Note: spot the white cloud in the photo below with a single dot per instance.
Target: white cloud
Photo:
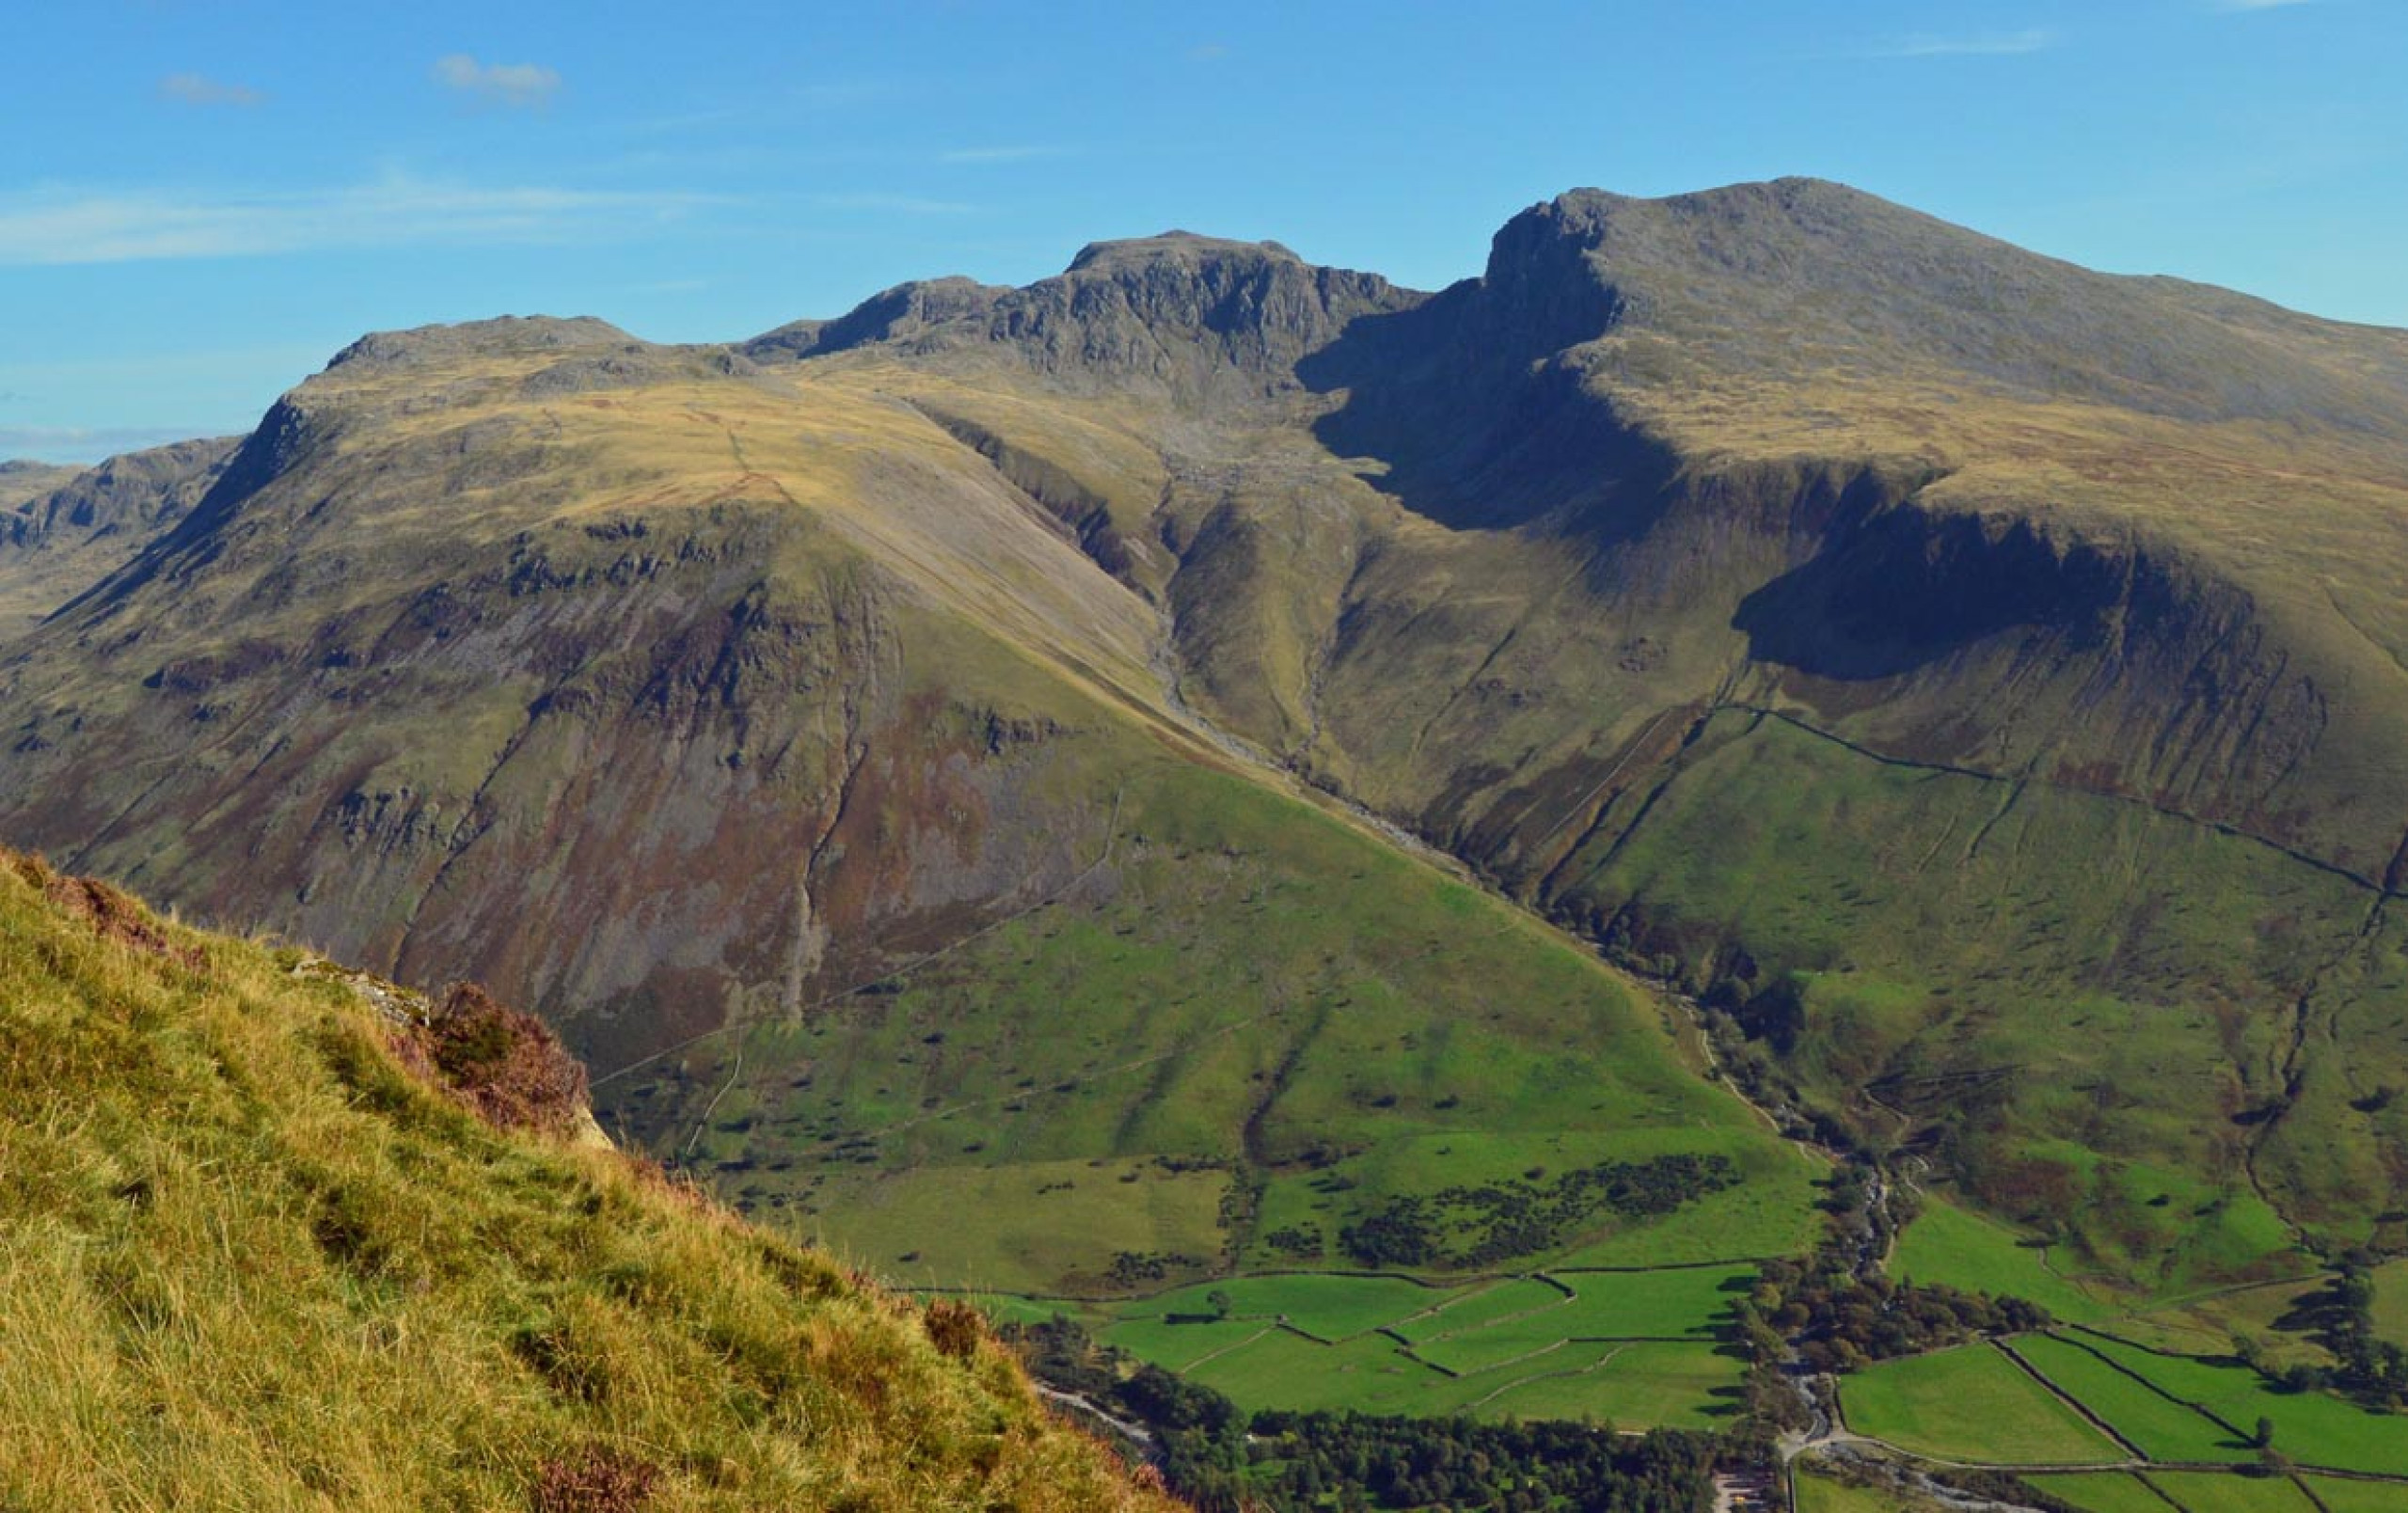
(2261, 4)
(78, 444)
(504, 84)
(1979, 44)
(200, 89)
(57, 226)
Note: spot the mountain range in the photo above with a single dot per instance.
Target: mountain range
(1194, 726)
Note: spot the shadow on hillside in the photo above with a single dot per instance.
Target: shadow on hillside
(1476, 420)
(1903, 589)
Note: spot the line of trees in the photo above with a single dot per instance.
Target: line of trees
(1225, 1460)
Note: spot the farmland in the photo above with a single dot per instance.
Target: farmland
(2103, 1492)
(1971, 1404)
(1638, 1349)
(2160, 1428)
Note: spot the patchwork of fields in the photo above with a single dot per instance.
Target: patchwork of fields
(2185, 1427)
(1637, 1349)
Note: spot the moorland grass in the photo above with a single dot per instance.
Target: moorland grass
(248, 1261)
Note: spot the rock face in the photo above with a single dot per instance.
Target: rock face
(59, 539)
(1972, 671)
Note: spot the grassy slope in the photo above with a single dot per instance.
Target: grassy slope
(1210, 1015)
(246, 1261)
(1971, 1404)
(2313, 1428)
(1640, 1348)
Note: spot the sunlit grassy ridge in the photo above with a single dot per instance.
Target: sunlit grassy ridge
(248, 1261)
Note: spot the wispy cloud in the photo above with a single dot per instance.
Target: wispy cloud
(1975, 45)
(1208, 52)
(76, 444)
(997, 154)
(200, 89)
(58, 227)
(2260, 4)
(893, 204)
(521, 85)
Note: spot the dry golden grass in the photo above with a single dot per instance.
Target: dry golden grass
(247, 1262)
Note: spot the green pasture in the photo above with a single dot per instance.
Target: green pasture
(1970, 1404)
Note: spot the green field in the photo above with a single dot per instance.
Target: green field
(1951, 1246)
(2207, 1491)
(2391, 1302)
(2103, 1492)
(1039, 1223)
(2206, 1324)
(1179, 1347)
(1641, 1385)
(2312, 1428)
(1971, 1404)
(1638, 1347)
(2340, 1496)
(1326, 1307)
(1479, 1308)
(1821, 1494)
(1606, 1306)
(2163, 1429)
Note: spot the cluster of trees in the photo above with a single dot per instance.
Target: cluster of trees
(1841, 1320)
(2341, 1315)
(1377, 1462)
(1224, 1460)
(1466, 1228)
(1133, 1269)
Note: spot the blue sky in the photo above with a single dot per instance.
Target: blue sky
(201, 199)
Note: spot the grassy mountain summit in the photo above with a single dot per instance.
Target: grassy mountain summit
(249, 1258)
(918, 754)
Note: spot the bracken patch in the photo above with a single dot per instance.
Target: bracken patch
(594, 1480)
(506, 1066)
(114, 916)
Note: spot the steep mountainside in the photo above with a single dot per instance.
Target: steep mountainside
(248, 1258)
(1980, 676)
(66, 529)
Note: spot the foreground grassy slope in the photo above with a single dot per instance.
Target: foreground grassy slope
(248, 1261)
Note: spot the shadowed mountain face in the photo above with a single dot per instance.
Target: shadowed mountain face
(1983, 672)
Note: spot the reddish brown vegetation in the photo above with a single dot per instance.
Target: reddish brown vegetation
(594, 1480)
(113, 916)
(954, 1328)
(506, 1066)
